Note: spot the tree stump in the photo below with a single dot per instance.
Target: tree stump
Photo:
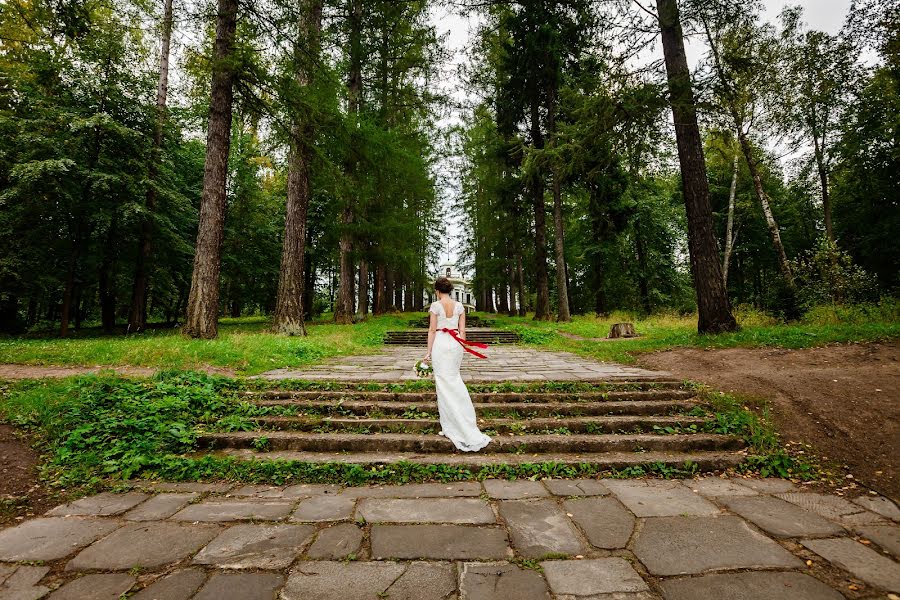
(622, 330)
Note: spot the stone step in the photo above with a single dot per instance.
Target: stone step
(479, 397)
(407, 442)
(420, 336)
(705, 461)
(574, 425)
(530, 409)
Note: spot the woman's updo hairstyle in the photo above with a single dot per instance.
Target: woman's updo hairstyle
(443, 285)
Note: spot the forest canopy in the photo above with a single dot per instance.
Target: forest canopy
(167, 162)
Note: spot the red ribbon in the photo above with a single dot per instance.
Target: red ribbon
(465, 343)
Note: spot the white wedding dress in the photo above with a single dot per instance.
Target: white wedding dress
(454, 404)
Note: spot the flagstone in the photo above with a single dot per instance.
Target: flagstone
(222, 510)
(439, 542)
(189, 486)
(51, 538)
(886, 536)
(429, 510)
(21, 583)
(781, 518)
(101, 505)
(324, 508)
(713, 487)
(880, 505)
(576, 487)
(768, 486)
(146, 545)
(570, 579)
(417, 490)
(862, 562)
(328, 580)
(501, 581)
(241, 586)
(605, 522)
(539, 527)
(252, 546)
(660, 499)
(749, 586)
(687, 545)
(832, 507)
(105, 586)
(337, 541)
(180, 585)
(501, 489)
(161, 506)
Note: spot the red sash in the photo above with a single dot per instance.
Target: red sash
(465, 343)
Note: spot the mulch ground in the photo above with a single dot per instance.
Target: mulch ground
(844, 400)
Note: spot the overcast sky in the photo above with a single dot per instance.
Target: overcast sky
(825, 15)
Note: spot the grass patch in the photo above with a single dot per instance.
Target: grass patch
(821, 325)
(245, 345)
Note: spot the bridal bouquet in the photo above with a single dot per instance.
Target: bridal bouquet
(423, 369)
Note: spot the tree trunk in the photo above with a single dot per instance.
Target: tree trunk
(520, 279)
(107, 279)
(559, 236)
(783, 264)
(378, 286)
(203, 303)
(826, 196)
(407, 296)
(712, 301)
(137, 314)
(562, 285)
(503, 294)
(643, 279)
(542, 306)
(69, 290)
(363, 289)
(309, 285)
(729, 227)
(343, 312)
(289, 301)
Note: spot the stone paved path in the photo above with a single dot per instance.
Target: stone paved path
(704, 539)
(503, 363)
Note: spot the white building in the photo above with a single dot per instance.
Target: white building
(462, 287)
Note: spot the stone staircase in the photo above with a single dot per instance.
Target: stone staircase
(613, 425)
(471, 321)
(419, 337)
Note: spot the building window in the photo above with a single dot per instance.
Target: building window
(448, 271)
(468, 298)
(457, 294)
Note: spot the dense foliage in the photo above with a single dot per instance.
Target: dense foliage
(569, 190)
(564, 114)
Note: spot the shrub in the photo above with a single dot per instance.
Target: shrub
(826, 274)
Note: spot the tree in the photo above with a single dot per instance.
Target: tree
(712, 301)
(743, 58)
(137, 314)
(203, 302)
(817, 75)
(289, 302)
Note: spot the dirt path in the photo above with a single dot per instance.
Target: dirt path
(21, 493)
(844, 400)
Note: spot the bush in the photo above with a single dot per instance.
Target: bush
(826, 274)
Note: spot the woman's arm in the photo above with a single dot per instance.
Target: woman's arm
(462, 325)
(432, 331)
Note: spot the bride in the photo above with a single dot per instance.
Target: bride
(446, 344)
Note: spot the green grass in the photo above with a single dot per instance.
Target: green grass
(247, 347)
(244, 345)
(821, 326)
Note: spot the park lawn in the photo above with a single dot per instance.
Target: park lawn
(247, 347)
(244, 345)
(820, 326)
